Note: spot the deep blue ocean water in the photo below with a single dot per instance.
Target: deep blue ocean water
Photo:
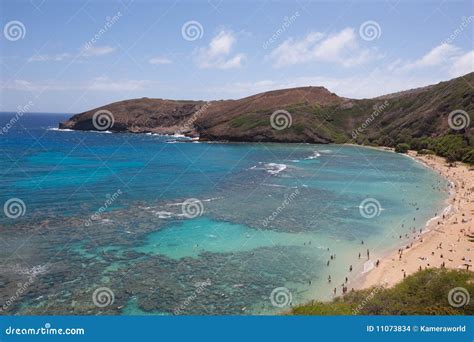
(106, 210)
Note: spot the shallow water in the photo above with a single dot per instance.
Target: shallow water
(106, 210)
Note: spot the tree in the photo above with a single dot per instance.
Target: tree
(451, 158)
(402, 148)
(469, 157)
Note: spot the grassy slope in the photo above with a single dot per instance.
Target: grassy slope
(421, 120)
(424, 293)
(418, 118)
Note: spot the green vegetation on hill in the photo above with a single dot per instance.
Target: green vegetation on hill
(416, 120)
(451, 146)
(419, 119)
(424, 293)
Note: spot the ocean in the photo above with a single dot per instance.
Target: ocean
(136, 224)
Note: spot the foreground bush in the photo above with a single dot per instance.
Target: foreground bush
(424, 293)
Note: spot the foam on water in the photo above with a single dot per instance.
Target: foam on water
(315, 155)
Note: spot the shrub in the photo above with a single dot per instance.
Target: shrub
(469, 157)
(402, 148)
(425, 151)
(423, 293)
(453, 146)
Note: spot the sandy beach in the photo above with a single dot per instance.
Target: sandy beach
(445, 242)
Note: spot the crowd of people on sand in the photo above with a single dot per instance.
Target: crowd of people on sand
(463, 195)
(415, 236)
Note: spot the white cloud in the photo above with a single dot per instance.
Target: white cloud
(234, 62)
(341, 48)
(217, 53)
(221, 44)
(91, 51)
(85, 52)
(438, 55)
(46, 58)
(103, 84)
(463, 64)
(293, 51)
(334, 46)
(445, 58)
(159, 60)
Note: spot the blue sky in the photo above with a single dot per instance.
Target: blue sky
(71, 56)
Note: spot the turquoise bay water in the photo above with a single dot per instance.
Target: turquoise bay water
(106, 210)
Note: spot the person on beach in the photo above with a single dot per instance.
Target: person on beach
(368, 254)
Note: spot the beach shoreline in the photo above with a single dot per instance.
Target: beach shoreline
(444, 240)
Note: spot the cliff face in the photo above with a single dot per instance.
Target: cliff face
(307, 114)
(138, 115)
